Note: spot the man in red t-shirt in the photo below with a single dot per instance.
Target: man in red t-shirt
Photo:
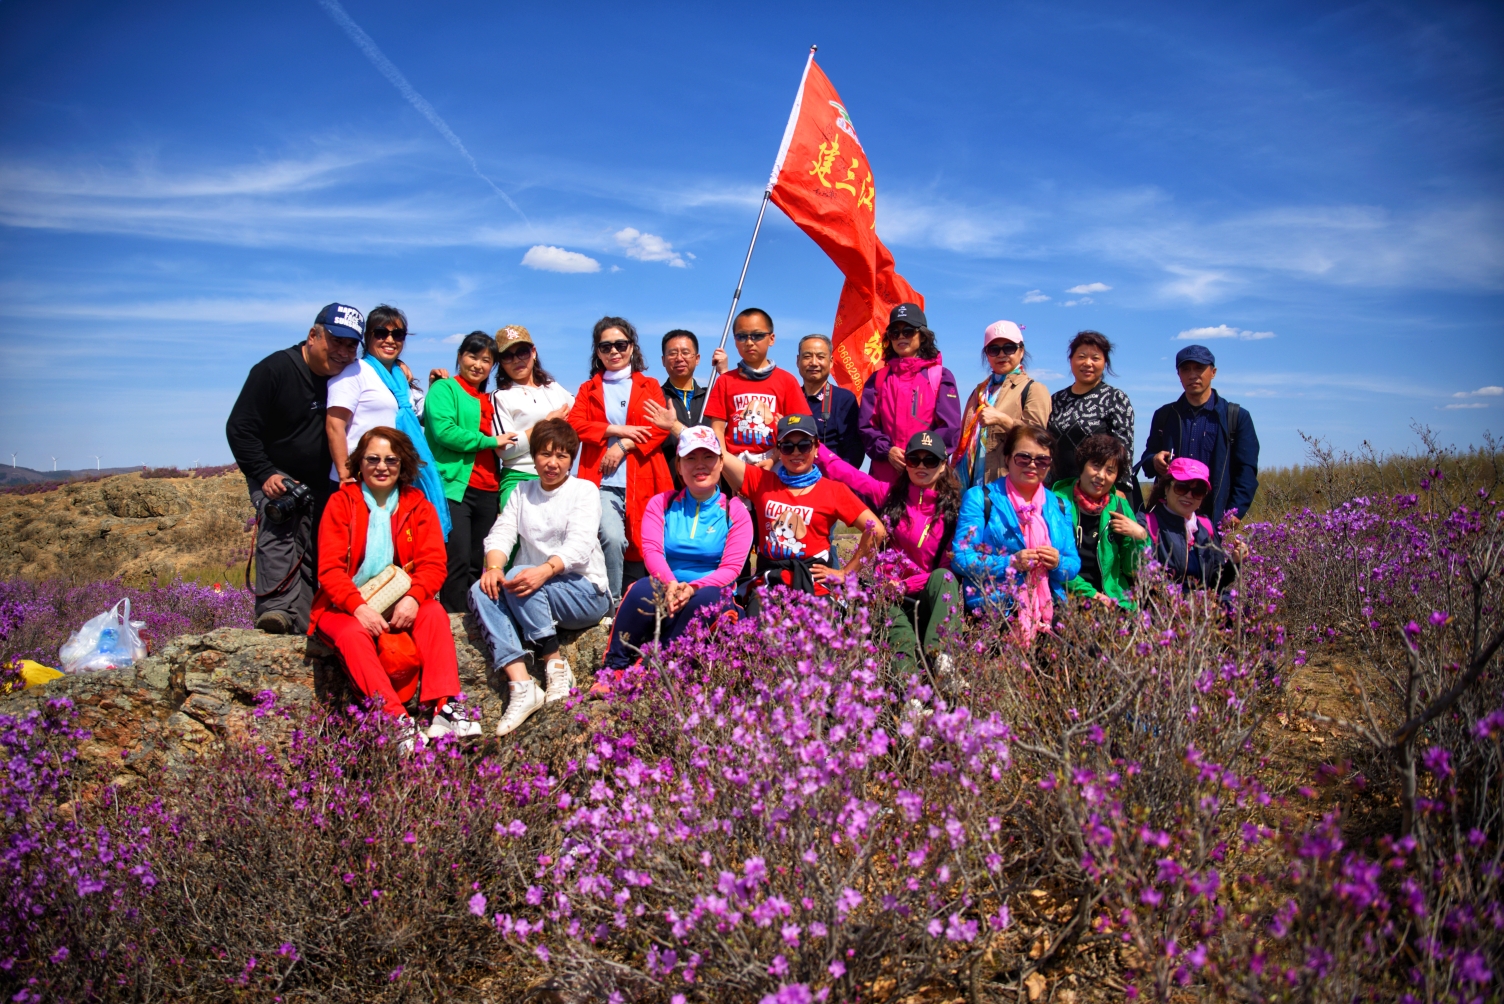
(746, 403)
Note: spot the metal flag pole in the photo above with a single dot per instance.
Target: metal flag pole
(767, 194)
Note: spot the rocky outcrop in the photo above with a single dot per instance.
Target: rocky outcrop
(199, 691)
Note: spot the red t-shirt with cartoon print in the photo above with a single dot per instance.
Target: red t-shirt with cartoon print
(751, 408)
(789, 525)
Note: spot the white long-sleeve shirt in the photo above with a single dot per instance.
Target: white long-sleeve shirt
(519, 408)
(562, 522)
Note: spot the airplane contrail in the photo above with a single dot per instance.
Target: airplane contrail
(394, 76)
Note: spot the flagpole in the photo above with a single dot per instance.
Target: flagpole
(767, 194)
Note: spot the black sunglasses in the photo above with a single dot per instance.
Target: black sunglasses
(789, 447)
(751, 336)
(518, 354)
(1030, 460)
(1195, 489)
(926, 460)
(1003, 348)
(620, 345)
(395, 334)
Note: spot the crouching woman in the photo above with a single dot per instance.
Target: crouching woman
(376, 521)
(1185, 542)
(1015, 547)
(695, 542)
(1109, 541)
(558, 578)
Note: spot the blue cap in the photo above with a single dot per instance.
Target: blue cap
(342, 321)
(1195, 354)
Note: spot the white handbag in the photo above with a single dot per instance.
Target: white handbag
(387, 587)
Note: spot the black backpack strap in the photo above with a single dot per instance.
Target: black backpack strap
(1023, 396)
(1233, 413)
(986, 506)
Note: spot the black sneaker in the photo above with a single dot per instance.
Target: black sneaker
(275, 622)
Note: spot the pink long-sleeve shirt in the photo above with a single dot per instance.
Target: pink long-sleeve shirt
(918, 534)
(733, 556)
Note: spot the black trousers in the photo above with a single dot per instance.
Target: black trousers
(471, 518)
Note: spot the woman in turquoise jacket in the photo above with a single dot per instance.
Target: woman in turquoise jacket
(1015, 545)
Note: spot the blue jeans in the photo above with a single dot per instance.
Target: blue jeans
(636, 618)
(568, 601)
(613, 536)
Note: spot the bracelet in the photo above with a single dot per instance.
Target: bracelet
(494, 568)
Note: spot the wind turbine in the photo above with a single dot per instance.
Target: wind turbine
(96, 461)
(13, 461)
(54, 463)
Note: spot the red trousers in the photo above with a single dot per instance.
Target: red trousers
(431, 634)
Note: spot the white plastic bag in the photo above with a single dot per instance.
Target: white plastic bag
(108, 641)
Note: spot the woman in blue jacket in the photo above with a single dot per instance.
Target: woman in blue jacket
(1015, 545)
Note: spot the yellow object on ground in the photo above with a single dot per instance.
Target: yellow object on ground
(34, 673)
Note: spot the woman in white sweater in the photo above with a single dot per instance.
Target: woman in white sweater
(557, 580)
(525, 395)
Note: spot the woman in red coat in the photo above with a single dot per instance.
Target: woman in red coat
(377, 521)
(620, 450)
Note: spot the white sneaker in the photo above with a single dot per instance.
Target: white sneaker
(947, 677)
(525, 699)
(454, 720)
(560, 679)
(407, 736)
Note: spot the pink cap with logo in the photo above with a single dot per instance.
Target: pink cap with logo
(1003, 331)
(1186, 469)
(699, 437)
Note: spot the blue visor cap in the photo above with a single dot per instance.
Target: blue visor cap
(342, 321)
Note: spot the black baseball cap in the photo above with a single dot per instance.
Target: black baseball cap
(1195, 354)
(926, 442)
(790, 424)
(908, 313)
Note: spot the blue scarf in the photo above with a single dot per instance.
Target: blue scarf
(428, 480)
(379, 550)
(805, 480)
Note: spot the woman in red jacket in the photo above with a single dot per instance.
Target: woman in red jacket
(377, 521)
(620, 450)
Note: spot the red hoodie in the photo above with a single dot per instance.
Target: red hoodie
(417, 545)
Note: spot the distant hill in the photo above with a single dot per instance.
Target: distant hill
(10, 476)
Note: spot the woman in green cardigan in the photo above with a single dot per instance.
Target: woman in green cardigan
(1110, 541)
(458, 422)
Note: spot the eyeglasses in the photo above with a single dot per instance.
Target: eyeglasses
(1003, 348)
(620, 345)
(789, 447)
(751, 336)
(517, 355)
(1030, 460)
(395, 334)
(1195, 489)
(371, 460)
(926, 460)
(680, 354)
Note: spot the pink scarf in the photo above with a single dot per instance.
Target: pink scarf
(1036, 607)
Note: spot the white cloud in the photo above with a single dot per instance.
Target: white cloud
(648, 247)
(455, 339)
(1035, 296)
(1223, 331)
(1090, 287)
(1470, 404)
(547, 258)
(1083, 301)
(1481, 392)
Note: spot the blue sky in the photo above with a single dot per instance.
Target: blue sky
(183, 185)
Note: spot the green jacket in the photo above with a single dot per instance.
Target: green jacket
(1117, 556)
(451, 424)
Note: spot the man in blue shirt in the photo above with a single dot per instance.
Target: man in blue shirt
(835, 408)
(1207, 427)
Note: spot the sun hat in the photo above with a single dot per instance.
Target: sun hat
(699, 437)
(1195, 354)
(1003, 331)
(1186, 469)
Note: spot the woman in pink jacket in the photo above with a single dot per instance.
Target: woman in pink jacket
(912, 392)
(920, 510)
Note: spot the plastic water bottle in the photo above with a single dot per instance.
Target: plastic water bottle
(109, 641)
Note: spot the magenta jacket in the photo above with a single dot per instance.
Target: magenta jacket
(903, 398)
(919, 534)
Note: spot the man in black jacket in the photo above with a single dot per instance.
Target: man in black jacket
(836, 409)
(276, 432)
(685, 394)
(1207, 427)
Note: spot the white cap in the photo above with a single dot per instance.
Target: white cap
(999, 331)
(699, 437)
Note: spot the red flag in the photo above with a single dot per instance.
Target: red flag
(823, 181)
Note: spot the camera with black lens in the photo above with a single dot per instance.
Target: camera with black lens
(289, 503)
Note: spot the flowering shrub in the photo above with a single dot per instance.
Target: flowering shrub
(37, 617)
(778, 810)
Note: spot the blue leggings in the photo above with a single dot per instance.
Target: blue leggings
(636, 619)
